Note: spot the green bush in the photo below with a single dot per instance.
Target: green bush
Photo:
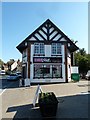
(47, 98)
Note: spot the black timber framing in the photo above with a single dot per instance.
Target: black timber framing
(41, 35)
(49, 23)
(60, 38)
(50, 27)
(36, 37)
(43, 31)
(54, 36)
(48, 31)
(52, 31)
(45, 26)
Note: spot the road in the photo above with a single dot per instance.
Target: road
(5, 84)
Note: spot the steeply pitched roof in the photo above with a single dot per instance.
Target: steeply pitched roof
(47, 33)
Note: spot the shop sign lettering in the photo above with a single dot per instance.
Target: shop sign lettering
(47, 60)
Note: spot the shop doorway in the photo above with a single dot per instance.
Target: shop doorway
(24, 71)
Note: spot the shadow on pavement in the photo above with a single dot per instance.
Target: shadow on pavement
(73, 107)
(4, 83)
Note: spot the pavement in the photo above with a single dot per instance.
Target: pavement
(16, 102)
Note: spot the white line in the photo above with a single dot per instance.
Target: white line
(2, 91)
(82, 93)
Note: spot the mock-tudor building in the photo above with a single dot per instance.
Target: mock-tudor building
(46, 55)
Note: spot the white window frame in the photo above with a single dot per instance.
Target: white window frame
(55, 47)
(40, 48)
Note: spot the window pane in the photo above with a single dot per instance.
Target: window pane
(42, 48)
(53, 48)
(57, 71)
(36, 48)
(38, 72)
(39, 48)
(58, 48)
(46, 71)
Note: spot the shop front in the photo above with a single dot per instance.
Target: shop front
(47, 67)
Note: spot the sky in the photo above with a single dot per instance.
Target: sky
(19, 19)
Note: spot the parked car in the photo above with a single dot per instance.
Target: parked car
(82, 75)
(2, 72)
(88, 75)
(13, 77)
(19, 74)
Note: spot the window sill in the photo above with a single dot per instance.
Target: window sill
(47, 77)
(56, 55)
(39, 55)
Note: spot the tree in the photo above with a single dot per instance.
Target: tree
(82, 60)
(9, 63)
(82, 51)
(88, 57)
(1, 62)
(74, 41)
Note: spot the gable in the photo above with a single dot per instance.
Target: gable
(47, 33)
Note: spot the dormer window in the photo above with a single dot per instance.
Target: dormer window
(39, 48)
(56, 48)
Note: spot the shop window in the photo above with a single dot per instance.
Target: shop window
(56, 48)
(57, 71)
(38, 71)
(39, 48)
(47, 71)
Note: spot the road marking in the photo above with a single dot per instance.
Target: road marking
(2, 91)
(82, 93)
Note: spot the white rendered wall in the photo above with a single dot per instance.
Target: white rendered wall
(31, 65)
(48, 80)
(47, 50)
(69, 64)
(24, 61)
(63, 64)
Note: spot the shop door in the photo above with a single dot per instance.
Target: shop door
(24, 72)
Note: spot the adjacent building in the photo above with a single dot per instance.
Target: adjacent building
(47, 55)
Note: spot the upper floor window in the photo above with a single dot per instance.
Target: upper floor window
(56, 48)
(39, 48)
